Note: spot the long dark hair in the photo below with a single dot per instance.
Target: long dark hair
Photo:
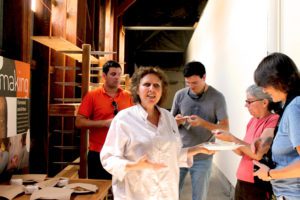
(280, 71)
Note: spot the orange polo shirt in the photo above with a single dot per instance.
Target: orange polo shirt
(97, 105)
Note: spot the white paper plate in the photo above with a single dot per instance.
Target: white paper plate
(221, 146)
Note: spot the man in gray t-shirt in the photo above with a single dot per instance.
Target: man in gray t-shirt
(198, 109)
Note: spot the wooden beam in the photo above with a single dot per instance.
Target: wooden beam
(124, 6)
(81, 22)
(27, 19)
(121, 46)
(86, 64)
(71, 27)
(102, 25)
(109, 27)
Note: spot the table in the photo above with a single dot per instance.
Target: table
(103, 188)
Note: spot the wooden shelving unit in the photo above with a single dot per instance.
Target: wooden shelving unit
(63, 109)
(65, 142)
(64, 139)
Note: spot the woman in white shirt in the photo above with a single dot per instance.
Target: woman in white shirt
(143, 149)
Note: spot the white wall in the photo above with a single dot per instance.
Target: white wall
(290, 29)
(230, 40)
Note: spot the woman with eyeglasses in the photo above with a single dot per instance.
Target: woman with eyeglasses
(143, 149)
(279, 77)
(261, 126)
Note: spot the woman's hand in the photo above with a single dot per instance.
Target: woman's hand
(262, 172)
(144, 163)
(223, 135)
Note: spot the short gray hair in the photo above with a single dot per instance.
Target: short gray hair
(257, 92)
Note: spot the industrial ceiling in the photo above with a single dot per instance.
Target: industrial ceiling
(158, 31)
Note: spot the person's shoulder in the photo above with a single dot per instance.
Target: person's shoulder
(166, 113)
(214, 91)
(182, 91)
(96, 91)
(294, 106)
(296, 100)
(163, 110)
(125, 92)
(274, 116)
(127, 111)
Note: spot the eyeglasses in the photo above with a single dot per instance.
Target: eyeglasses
(115, 105)
(252, 101)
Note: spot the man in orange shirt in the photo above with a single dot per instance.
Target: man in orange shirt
(96, 112)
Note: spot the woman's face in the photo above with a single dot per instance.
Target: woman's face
(256, 107)
(277, 95)
(150, 90)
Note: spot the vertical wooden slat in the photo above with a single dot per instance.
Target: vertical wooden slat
(114, 30)
(58, 19)
(26, 31)
(102, 25)
(81, 22)
(108, 29)
(40, 91)
(86, 62)
(121, 51)
(58, 28)
(71, 26)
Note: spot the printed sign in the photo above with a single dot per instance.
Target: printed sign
(14, 117)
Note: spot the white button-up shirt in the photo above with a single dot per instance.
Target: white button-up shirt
(131, 136)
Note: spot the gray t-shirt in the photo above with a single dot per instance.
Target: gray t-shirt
(210, 106)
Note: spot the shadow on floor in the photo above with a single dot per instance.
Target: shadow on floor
(219, 188)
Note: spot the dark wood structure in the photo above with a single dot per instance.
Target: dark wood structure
(56, 78)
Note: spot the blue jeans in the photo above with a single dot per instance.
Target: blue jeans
(287, 198)
(200, 175)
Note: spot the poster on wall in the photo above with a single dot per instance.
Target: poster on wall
(14, 117)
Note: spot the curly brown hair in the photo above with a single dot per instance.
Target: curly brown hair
(139, 74)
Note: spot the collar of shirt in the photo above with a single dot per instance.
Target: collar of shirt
(117, 93)
(143, 113)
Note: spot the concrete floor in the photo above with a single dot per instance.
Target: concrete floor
(219, 188)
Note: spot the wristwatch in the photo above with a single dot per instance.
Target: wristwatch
(269, 175)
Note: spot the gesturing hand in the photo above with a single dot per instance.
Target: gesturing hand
(144, 163)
